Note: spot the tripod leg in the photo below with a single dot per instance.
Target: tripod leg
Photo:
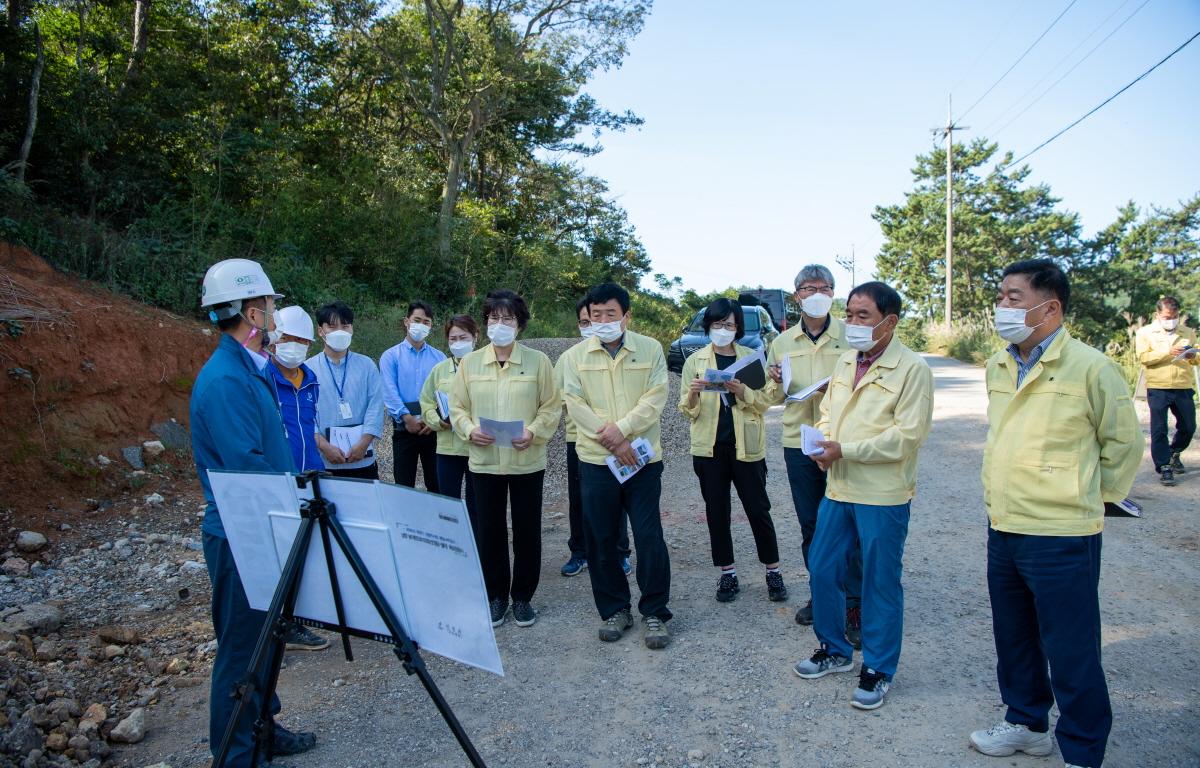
(406, 649)
(333, 583)
(282, 604)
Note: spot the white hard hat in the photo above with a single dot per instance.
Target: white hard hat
(294, 321)
(233, 280)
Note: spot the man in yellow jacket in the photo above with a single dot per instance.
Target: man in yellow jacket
(615, 387)
(1063, 438)
(875, 416)
(1167, 350)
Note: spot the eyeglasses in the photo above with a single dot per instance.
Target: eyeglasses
(811, 289)
(505, 319)
(727, 325)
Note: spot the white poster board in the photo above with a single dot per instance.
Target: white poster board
(418, 547)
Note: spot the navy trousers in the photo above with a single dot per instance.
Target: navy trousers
(1046, 612)
(1178, 402)
(451, 472)
(604, 503)
(237, 628)
(808, 489)
(576, 542)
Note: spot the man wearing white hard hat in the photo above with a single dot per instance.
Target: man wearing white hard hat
(235, 425)
(296, 387)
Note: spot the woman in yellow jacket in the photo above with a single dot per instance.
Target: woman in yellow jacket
(729, 445)
(452, 450)
(507, 381)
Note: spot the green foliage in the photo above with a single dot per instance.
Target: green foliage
(971, 340)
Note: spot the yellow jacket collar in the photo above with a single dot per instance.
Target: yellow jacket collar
(489, 354)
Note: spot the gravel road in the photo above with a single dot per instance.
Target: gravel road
(723, 693)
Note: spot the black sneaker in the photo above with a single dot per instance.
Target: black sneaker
(804, 614)
(776, 591)
(727, 588)
(287, 743)
(1166, 476)
(499, 608)
(1177, 465)
(301, 638)
(523, 613)
(854, 627)
(872, 687)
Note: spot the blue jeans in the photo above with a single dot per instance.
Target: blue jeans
(1046, 611)
(808, 489)
(881, 531)
(237, 627)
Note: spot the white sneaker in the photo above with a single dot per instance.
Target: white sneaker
(1006, 738)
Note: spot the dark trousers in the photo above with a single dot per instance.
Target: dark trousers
(370, 472)
(493, 494)
(1046, 610)
(237, 628)
(604, 501)
(407, 449)
(716, 473)
(575, 511)
(451, 472)
(1178, 402)
(808, 489)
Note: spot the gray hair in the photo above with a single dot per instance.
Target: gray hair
(814, 272)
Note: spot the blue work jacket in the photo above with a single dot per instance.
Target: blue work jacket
(298, 407)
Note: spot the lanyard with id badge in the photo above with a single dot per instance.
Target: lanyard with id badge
(345, 410)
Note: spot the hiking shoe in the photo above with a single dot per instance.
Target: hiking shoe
(1166, 475)
(286, 743)
(574, 566)
(872, 687)
(727, 588)
(523, 613)
(301, 638)
(626, 566)
(499, 608)
(655, 634)
(854, 627)
(1005, 738)
(804, 614)
(614, 626)
(822, 663)
(776, 591)
(1177, 465)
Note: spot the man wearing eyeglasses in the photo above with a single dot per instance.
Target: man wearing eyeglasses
(811, 348)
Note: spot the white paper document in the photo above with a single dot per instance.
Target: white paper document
(645, 454)
(809, 437)
(417, 546)
(1187, 354)
(808, 391)
(714, 380)
(345, 438)
(504, 431)
(443, 406)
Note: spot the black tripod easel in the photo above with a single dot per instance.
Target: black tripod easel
(268, 652)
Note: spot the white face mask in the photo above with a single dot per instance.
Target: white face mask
(502, 335)
(608, 332)
(587, 332)
(291, 353)
(418, 331)
(721, 336)
(338, 341)
(273, 337)
(1169, 325)
(817, 305)
(462, 348)
(862, 337)
(1010, 323)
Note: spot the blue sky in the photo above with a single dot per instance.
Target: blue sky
(774, 128)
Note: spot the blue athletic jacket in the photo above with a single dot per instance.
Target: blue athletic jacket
(298, 407)
(235, 422)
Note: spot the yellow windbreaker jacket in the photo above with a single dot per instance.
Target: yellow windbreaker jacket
(441, 379)
(749, 432)
(1153, 345)
(810, 363)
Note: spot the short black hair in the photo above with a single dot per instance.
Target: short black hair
(887, 301)
(606, 292)
(1167, 302)
(413, 306)
(506, 300)
(335, 310)
(1045, 276)
(581, 305)
(721, 309)
(233, 321)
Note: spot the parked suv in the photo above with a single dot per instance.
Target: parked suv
(760, 332)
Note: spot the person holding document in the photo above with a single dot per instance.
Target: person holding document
(404, 369)
(875, 416)
(809, 350)
(615, 387)
(498, 390)
(729, 445)
(351, 397)
(1166, 348)
(452, 450)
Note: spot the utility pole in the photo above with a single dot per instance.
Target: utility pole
(948, 134)
(848, 265)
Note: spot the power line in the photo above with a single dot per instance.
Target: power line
(1000, 29)
(1019, 58)
(1058, 64)
(1064, 76)
(1101, 104)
